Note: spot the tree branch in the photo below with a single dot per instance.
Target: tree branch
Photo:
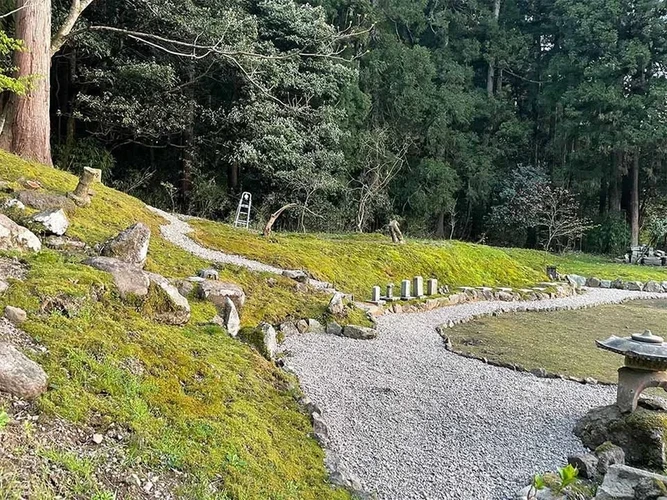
(75, 11)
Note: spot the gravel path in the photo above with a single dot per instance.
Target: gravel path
(414, 421)
(177, 233)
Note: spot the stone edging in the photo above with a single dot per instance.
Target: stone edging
(538, 372)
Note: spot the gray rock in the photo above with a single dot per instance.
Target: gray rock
(605, 283)
(15, 315)
(609, 454)
(359, 332)
(653, 287)
(634, 286)
(529, 493)
(593, 282)
(19, 375)
(230, 317)
(320, 430)
(626, 483)
(131, 245)
(129, 279)
(176, 308)
(640, 434)
(575, 280)
(315, 326)
(336, 304)
(334, 328)
(13, 203)
(209, 274)
(288, 329)
(45, 201)
(586, 464)
(505, 296)
(65, 243)
(217, 291)
(302, 326)
(300, 276)
(618, 283)
(664, 286)
(4, 286)
(270, 344)
(17, 238)
(53, 221)
(188, 285)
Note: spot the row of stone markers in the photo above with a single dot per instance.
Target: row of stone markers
(406, 292)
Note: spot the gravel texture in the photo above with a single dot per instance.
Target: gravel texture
(412, 420)
(177, 232)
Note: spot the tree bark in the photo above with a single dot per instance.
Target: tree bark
(491, 75)
(27, 131)
(634, 201)
(615, 184)
(274, 217)
(188, 158)
(440, 229)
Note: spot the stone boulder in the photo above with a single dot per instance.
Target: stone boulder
(336, 304)
(208, 274)
(217, 291)
(626, 483)
(359, 332)
(65, 243)
(575, 280)
(618, 283)
(640, 434)
(586, 464)
(315, 326)
(128, 278)
(289, 329)
(269, 341)
(300, 276)
(13, 203)
(653, 287)
(17, 238)
(634, 286)
(609, 454)
(45, 201)
(15, 315)
(130, 245)
(593, 282)
(175, 310)
(229, 317)
(53, 221)
(334, 328)
(605, 283)
(19, 375)
(189, 285)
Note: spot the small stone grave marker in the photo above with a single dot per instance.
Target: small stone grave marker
(432, 287)
(418, 286)
(405, 290)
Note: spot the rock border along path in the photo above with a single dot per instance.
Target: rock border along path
(414, 421)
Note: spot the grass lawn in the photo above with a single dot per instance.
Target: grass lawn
(357, 262)
(562, 341)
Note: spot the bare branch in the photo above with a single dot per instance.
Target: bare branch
(75, 11)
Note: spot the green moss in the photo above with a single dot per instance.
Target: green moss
(199, 398)
(561, 341)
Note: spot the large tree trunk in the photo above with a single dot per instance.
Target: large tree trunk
(27, 127)
(616, 184)
(490, 77)
(440, 227)
(634, 201)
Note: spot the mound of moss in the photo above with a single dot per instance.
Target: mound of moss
(191, 399)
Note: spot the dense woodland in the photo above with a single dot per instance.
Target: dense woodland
(538, 123)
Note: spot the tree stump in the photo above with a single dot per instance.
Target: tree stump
(395, 232)
(83, 191)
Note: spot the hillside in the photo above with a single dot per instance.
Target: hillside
(188, 409)
(204, 413)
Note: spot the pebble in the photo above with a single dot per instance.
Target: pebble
(98, 438)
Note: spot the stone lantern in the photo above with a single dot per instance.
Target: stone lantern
(645, 366)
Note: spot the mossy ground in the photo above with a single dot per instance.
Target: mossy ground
(561, 341)
(357, 262)
(192, 398)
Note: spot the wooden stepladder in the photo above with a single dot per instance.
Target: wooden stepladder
(243, 211)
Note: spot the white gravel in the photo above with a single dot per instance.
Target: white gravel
(177, 233)
(413, 420)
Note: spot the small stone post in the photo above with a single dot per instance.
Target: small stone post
(405, 290)
(390, 292)
(432, 287)
(418, 286)
(83, 191)
(375, 296)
